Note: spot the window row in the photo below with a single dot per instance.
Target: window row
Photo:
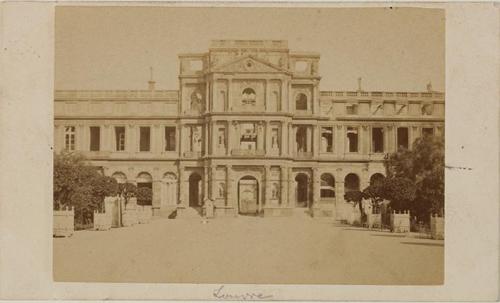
(377, 138)
(120, 138)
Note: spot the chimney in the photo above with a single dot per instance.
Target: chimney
(359, 85)
(151, 82)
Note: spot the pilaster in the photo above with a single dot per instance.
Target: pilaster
(230, 197)
(316, 185)
(284, 187)
(291, 188)
(213, 182)
(267, 172)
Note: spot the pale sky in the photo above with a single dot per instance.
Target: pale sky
(399, 49)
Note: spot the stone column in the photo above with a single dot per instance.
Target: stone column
(308, 138)
(390, 139)
(283, 137)
(156, 194)
(316, 141)
(130, 139)
(315, 187)
(267, 194)
(260, 135)
(215, 143)
(268, 138)
(230, 197)
(213, 181)
(292, 144)
(180, 133)
(229, 94)
(183, 188)
(365, 139)
(105, 138)
(339, 140)
(284, 187)
(205, 183)
(207, 96)
(79, 137)
(291, 188)
(205, 141)
(230, 134)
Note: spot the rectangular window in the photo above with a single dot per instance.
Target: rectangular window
(170, 138)
(326, 139)
(403, 141)
(120, 138)
(95, 138)
(69, 138)
(427, 131)
(145, 138)
(352, 109)
(352, 138)
(378, 140)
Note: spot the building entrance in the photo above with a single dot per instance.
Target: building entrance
(248, 195)
(194, 190)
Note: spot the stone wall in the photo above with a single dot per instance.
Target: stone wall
(400, 221)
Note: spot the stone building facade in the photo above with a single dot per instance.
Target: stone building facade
(248, 129)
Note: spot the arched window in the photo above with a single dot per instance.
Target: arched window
(248, 96)
(351, 183)
(376, 178)
(119, 177)
(301, 102)
(327, 186)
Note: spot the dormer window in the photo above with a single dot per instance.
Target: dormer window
(248, 96)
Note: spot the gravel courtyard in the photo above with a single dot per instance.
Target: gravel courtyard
(294, 250)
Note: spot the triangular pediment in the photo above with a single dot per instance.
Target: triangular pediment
(248, 64)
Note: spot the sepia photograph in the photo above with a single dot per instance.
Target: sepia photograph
(249, 145)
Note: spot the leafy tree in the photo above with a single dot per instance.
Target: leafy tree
(424, 166)
(356, 196)
(144, 195)
(400, 191)
(127, 190)
(373, 192)
(102, 186)
(79, 185)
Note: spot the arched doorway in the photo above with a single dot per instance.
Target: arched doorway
(248, 195)
(194, 190)
(302, 190)
(144, 184)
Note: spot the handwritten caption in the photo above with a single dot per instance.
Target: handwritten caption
(221, 294)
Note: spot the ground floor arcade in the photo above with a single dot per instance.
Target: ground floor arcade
(247, 187)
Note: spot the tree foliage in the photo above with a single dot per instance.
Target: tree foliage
(424, 167)
(79, 185)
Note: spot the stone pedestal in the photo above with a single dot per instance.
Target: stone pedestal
(144, 214)
(437, 227)
(64, 222)
(102, 221)
(400, 221)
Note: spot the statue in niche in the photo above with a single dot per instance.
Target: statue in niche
(324, 144)
(196, 138)
(196, 101)
(275, 191)
(222, 187)
(274, 140)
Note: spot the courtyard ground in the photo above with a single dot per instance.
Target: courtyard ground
(248, 250)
